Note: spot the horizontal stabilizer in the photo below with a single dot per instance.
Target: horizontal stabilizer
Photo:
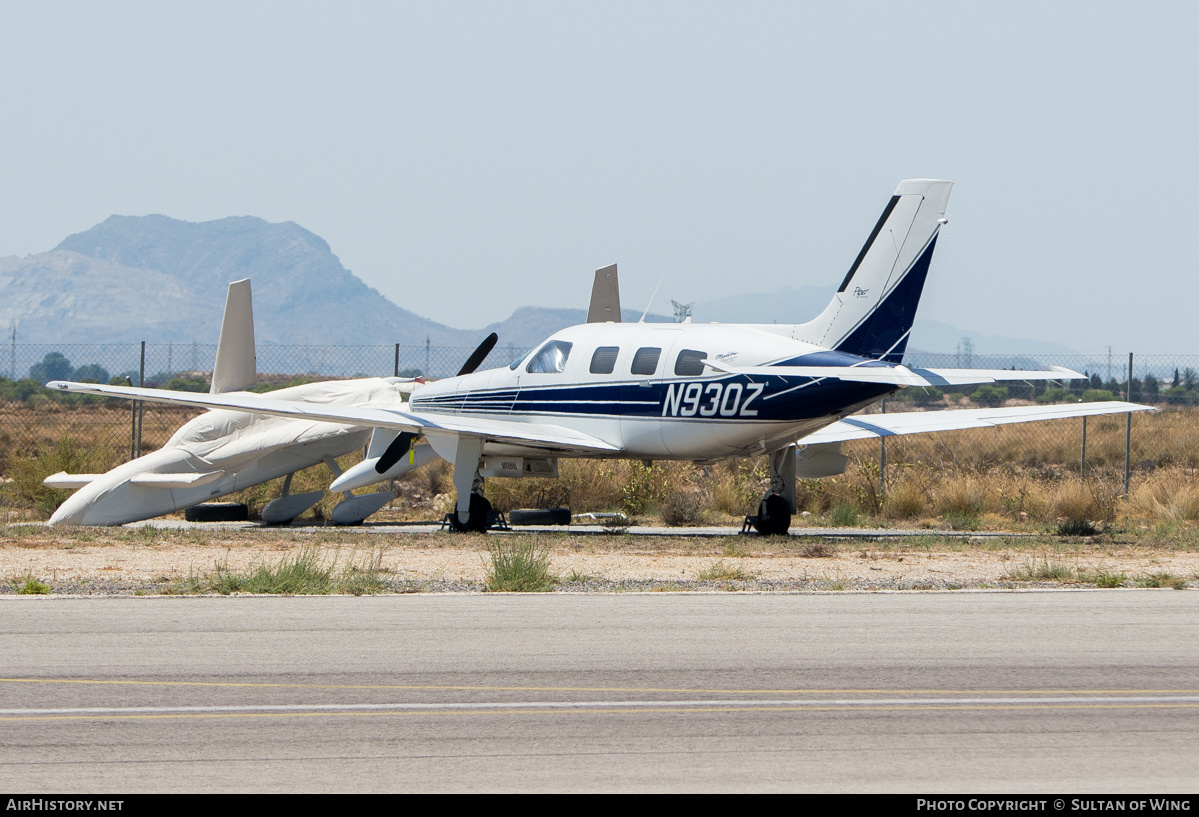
(175, 480)
(70, 482)
(865, 426)
(900, 375)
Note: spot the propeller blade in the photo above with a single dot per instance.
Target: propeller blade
(479, 354)
(398, 448)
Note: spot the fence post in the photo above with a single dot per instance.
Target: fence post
(882, 460)
(1083, 468)
(141, 383)
(397, 366)
(1127, 424)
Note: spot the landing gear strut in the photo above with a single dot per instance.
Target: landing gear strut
(477, 515)
(774, 513)
(473, 511)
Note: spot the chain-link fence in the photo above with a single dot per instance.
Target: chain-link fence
(33, 418)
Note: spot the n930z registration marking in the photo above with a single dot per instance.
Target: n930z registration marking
(711, 399)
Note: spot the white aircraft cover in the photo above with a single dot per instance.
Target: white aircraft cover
(536, 435)
(862, 427)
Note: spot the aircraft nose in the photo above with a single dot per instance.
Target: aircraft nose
(70, 512)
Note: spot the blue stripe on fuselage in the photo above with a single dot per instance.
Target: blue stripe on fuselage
(734, 397)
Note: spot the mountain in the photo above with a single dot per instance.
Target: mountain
(162, 280)
(159, 279)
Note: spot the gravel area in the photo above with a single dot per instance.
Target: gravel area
(152, 560)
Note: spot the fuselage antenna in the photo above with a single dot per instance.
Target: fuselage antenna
(651, 299)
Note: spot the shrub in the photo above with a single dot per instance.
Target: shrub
(519, 565)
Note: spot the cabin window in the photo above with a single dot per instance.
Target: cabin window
(646, 360)
(551, 359)
(604, 360)
(689, 363)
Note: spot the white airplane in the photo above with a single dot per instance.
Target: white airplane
(221, 451)
(682, 391)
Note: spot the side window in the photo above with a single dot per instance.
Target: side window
(646, 360)
(551, 359)
(689, 363)
(604, 359)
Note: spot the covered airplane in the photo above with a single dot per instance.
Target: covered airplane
(682, 391)
(221, 451)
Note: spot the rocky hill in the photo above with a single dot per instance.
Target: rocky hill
(162, 280)
(159, 279)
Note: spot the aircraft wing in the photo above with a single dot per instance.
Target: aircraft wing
(918, 422)
(901, 375)
(537, 435)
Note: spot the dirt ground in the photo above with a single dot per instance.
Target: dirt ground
(149, 561)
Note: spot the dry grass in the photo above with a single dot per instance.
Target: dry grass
(1023, 476)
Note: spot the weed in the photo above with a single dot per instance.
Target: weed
(684, 506)
(1076, 527)
(845, 515)
(732, 550)
(576, 576)
(519, 565)
(304, 574)
(1044, 570)
(32, 587)
(1161, 580)
(1110, 580)
(818, 550)
(961, 520)
(723, 572)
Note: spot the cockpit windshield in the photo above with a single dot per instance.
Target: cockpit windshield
(550, 359)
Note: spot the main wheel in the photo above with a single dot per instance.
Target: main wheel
(217, 512)
(539, 516)
(480, 511)
(774, 516)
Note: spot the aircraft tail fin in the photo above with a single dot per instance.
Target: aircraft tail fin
(872, 313)
(605, 297)
(236, 367)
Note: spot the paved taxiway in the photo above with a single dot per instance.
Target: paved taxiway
(922, 692)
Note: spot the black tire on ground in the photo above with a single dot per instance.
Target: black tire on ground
(540, 516)
(480, 510)
(774, 516)
(218, 512)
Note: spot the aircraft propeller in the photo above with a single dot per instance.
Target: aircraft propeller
(477, 356)
(391, 455)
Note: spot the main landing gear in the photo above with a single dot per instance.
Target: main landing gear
(774, 512)
(473, 512)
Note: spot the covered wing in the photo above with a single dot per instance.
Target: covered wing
(918, 422)
(70, 481)
(900, 375)
(550, 437)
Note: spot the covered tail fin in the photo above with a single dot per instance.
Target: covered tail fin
(236, 367)
(872, 313)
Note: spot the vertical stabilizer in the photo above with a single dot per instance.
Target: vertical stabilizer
(872, 313)
(236, 367)
(605, 297)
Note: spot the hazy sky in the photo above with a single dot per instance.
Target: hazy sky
(469, 158)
